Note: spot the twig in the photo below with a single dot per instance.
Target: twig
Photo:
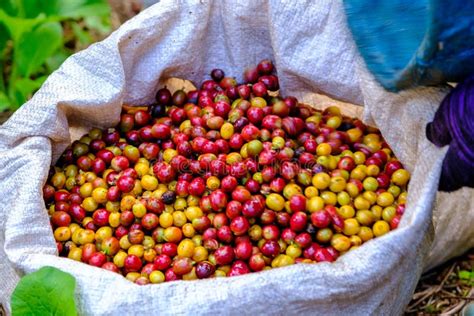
(454, 309)
(433, 290)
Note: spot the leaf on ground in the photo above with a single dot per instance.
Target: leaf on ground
(48, 291)
(464, 275)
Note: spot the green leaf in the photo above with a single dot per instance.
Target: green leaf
(99, 23)
(4, 37)
(32, 8)
(48, 291)
(465, 275)
(26, 87)
(18, 26)
(5, 103)
(82, 35)
(9, 6)
(36, 46)
(83, 8)
(53, 62)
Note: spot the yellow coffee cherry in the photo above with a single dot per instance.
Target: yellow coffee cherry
(310, 192)
(62, 233)
(148, 242)
(376, 211)
(157, 277)
(127, 203)
(380, 228)
(355, 241)
(112, 207)
(401, 177)
(346, 211)
(282, 261)
(370, 196)
(103, 233)
(343, 198)
(275, 202)
(213, 183)
(227, 130)
(314, 204)
(373, 170)
(193, 212)
(188, 230)
(192, 200)
(89, 204)
(337, 184)
(329, 197)
(361, 204)
(114, 220)
(124, 242)
(169, 154)
(75, 254)
(142, 169)
(323, 149)
(365, 217)
(186, 248)
(321, 180)
(293, 251)
(149, 255)
(166, 220)
(352, 189)
(359, 157)
(119, 258)
(179, 218)
(139, 210)
(351, 227)
(365, 233)
(291, 189)
(137, 250)
(132, 276)
(73, 227)
(99, 195)
(385, 199)
(149, 182)
(340, 242)
(402, 198)
(200, 254)
(86, 236)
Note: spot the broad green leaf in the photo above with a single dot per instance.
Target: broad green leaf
(32, 8)
(82, 35)
(48, 291)
(34, 47)
(5, 103)
(4, 37)
(9, 6)
(83, 8)
(99, 23)
(18, 26)
(465, 275)
(27, 87)
(53, 62)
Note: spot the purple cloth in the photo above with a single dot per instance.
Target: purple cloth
(453, 124)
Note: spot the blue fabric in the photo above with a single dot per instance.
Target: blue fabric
(407, 43)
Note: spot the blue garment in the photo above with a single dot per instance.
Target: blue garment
(407, 43)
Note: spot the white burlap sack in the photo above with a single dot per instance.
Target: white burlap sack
(314, 53)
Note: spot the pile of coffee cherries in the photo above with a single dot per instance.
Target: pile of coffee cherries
(222, 181)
